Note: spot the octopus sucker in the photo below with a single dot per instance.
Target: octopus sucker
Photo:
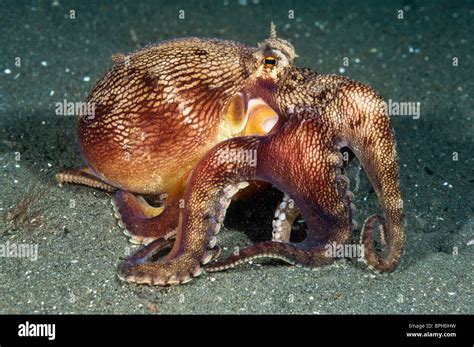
(213, 242)
(285, 215)
(174, 266)
(242, 260)
(188, 115)
(304, 148)
(221, 89)
(207, 258)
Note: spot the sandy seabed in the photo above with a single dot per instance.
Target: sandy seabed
(79, 244)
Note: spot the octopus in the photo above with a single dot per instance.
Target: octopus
(198, 120)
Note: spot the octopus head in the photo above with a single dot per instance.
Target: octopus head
(273, 57)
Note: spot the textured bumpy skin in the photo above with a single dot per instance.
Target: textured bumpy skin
(160, 109)
(302, 159)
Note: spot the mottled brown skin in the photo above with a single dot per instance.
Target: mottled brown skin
(160, 109)
(303, 160)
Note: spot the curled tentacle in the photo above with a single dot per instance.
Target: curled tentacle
(301, 161)
(357, 115)
(351, 116)
(142, 222)
(207, 198)
(325, 227)
(145, 223)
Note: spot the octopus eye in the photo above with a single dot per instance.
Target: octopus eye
(270, 62)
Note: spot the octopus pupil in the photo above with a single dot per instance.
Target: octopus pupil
(270, 61)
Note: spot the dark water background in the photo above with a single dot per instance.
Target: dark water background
(409, 59)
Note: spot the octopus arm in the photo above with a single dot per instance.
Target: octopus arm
(358, 119)
(214, 181)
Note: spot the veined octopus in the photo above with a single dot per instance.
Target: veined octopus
(167, 115)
